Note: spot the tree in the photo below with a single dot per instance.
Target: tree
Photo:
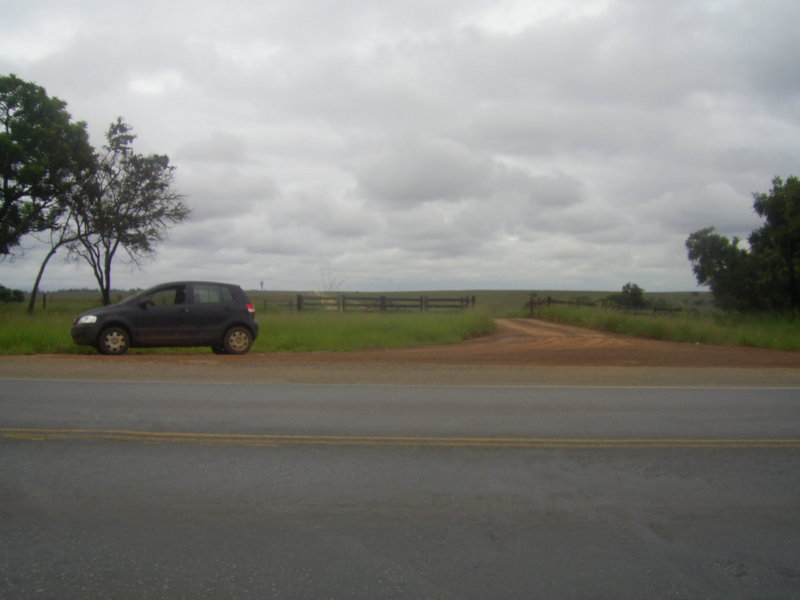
(632, 296)
(725, 267)
(130, 202)
(41, 151)
(70, 226)
(765, 275)
(777, 242)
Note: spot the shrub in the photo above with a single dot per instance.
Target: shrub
(7, 295)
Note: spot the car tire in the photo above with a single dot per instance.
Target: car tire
(113, 341)
(237, 340)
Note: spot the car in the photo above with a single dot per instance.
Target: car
(182, 313)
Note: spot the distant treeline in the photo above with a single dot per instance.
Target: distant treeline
(8, 295)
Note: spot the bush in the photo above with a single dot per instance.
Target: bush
(7, 295)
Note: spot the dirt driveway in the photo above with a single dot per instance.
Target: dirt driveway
(534, 342)
(521, 352)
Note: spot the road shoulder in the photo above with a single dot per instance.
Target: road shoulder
(260, 369)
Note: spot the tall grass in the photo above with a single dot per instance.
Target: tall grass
(763, 331)
(34, 334)
(301, 332)
(48, 331)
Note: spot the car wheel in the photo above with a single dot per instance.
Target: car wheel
(237, 340)
(113, 340)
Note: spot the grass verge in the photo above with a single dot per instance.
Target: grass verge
(47, 332)
(762, 331)
(303, 332)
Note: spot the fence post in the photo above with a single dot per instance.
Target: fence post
(342, 302)
(299, 302)
(383, 303)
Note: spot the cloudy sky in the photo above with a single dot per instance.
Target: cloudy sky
(428, 144)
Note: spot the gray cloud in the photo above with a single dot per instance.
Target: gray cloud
(423, 170)
(409, 144)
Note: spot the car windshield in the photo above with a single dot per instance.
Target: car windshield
(160, 295)
(137, 296)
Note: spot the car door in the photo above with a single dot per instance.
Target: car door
(209, 311)
(162, 317)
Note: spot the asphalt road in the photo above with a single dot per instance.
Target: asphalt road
(137, 490)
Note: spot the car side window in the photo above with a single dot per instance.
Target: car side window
(169, 295)
(211, 294)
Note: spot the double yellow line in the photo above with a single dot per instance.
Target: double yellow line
(228, 439)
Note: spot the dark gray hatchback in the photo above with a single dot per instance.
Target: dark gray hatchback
(184, 313)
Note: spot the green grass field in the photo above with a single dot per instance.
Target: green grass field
(299, 332)
(284, 330)
(46, 331)
(763, 331)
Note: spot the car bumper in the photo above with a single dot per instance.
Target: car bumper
(84, 335)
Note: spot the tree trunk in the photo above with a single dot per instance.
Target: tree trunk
(107, 279)
(39, 275)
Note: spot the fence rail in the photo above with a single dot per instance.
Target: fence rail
(344, 303)
(535, 301)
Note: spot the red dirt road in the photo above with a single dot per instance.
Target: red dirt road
(541, 343)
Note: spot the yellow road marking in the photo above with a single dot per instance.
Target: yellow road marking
(153, 437)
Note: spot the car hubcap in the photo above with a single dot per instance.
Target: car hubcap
(115, 341)
(239, 341)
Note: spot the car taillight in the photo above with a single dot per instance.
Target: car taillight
(251, 309)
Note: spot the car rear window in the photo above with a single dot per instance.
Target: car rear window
(212, 294)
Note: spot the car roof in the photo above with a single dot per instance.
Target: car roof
(192, 282)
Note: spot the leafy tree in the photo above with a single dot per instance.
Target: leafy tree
(725, 267)
(129, 204)
(41, 151)
(764, 276)
(777, 242)
(632, 296)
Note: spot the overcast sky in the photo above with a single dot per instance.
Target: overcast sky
(428, 144)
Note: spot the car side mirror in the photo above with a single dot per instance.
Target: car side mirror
(146, 303)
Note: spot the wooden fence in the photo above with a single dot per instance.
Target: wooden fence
(344, 303)
(536, 301)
